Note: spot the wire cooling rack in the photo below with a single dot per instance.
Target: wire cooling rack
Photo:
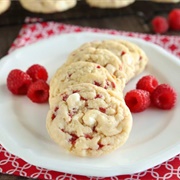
(144, 10)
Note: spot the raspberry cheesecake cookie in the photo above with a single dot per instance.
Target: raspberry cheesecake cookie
(82, 72)
(109, 3)
(88, 120)
(4, 5)
(103, 57)
(47, 6)
(121, 51)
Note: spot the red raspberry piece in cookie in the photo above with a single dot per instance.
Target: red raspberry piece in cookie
(164, 97)
(174, 19)
(147, 83)
(37, 72)
(159, 24)
(18, 82)
(137, 100)
(38, 91)
(54, 114)
(73, 139)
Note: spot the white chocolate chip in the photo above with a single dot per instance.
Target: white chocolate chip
(110, 68)
(91, 120)
(73, 100)
(90, 117)
(127, 59)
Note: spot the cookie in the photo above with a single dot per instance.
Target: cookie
(121, 51)
(82, 72)
(109, 3)
(103, 57)
(4, 5)
(47, 6)
(88, 120)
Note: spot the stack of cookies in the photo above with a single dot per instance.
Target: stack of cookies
(88, 115)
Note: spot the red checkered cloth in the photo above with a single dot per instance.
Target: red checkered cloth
(31, 33)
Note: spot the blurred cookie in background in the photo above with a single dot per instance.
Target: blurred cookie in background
(47, 6)
(109, 3)
(4, 5)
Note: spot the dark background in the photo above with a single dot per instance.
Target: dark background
(136, 17)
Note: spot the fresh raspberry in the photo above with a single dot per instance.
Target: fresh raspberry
(38, 91)
(147, 83)
(174, 19)
(37, 71)
(160, 24)
(164, 97)
(137, 100)
(18, 82)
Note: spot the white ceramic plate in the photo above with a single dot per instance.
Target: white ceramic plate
(155, 136)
